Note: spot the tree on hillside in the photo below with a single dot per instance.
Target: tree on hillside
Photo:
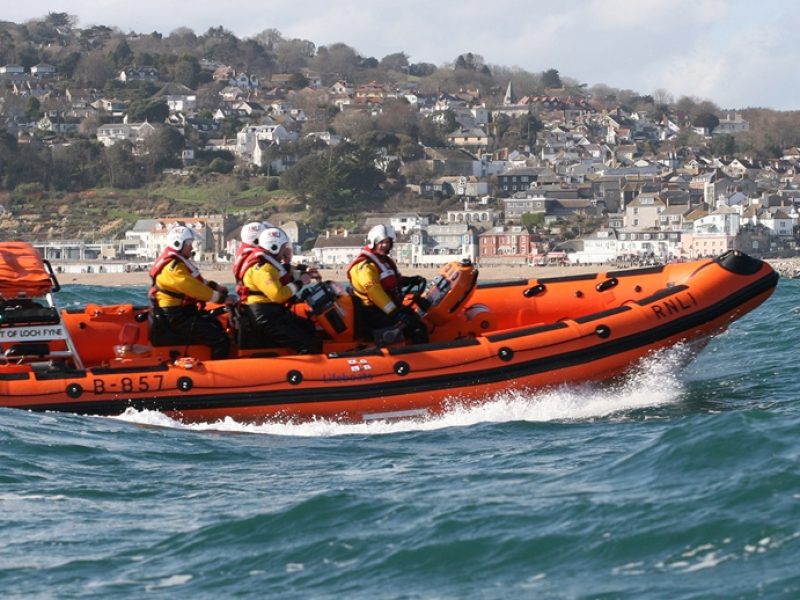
(255, 57)
(353, 124)
(77, 166)
(60, 20)
(187, 71)
(398, 116)
(122, 56)
(471, 62)
(551, 79)
(220, 44)
(292, 55)
(435, 134)
(395, 62)
(66, 63)
(153, 111)
(422, 69)
(33, 108)
(162, 150)
(707, 120)
(533, 219)
(94, 70)
(337, 58)
(723, 145)
(332, 180)
(95, 37)
(122, 169)
(27, 164)
(7, 48)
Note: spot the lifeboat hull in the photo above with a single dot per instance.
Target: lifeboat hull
(528, 334)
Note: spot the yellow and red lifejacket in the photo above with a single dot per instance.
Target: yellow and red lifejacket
(166, 258)
(389, 275)
(247, 255)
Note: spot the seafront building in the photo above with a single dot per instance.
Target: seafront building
(592, 184)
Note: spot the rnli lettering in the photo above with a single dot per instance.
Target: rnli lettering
(33, 334)
(359, 371)
(127, 385)
(674, 305)
(333, 377)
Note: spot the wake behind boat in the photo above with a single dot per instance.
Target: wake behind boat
(485, 338)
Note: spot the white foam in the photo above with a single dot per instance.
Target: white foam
(653, 382)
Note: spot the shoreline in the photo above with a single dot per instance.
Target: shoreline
(787, 267)
(225, 276)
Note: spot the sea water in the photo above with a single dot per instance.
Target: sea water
(678, 482)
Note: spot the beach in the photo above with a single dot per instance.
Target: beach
(221, 273)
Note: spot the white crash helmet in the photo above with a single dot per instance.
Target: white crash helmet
(251, 231)
(272, 239)
(379, 233)
(177, 236)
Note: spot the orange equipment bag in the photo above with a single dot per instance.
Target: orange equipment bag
(23, 273)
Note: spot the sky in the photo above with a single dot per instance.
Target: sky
(736, 53)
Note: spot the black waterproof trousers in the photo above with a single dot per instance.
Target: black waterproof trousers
(191, 325)
(277, 324)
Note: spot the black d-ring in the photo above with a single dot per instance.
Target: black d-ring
(74, 390)
(401, 367)
(294, 377)
(602, 331)
(505, 354)
(185, 384)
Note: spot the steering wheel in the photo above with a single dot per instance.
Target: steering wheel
(416, 288)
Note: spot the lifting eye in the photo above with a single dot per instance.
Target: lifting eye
(607, 284)
(535, 290)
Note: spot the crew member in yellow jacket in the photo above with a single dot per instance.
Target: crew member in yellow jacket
(377, 285)
(269, 284)
(178, 296)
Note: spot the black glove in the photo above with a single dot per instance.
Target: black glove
(219, 295)
(415, 281)
(405, 316)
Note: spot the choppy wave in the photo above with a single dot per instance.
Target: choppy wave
(675, 482)
(652, 383)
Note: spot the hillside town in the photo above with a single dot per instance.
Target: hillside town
(560, 177)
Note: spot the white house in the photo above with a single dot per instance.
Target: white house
(333, 250)
(440, 244)
(405, 222)
(724, 220)
(483, 215)
(12, 70)
(250, 134)
(149, 236)
(777, 221)
(599, 247)
(112, 133)
(662, 245)
(43, 70)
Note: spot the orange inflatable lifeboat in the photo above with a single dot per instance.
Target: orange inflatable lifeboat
(484, 338)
